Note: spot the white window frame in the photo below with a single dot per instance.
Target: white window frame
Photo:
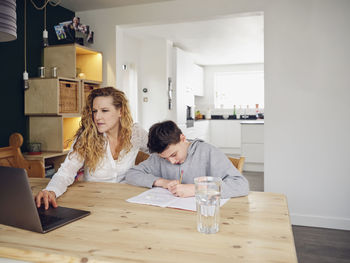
(248, 97)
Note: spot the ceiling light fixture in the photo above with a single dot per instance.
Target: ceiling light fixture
(45, 33)
(52, 3)
(8, 26)
(25, 73)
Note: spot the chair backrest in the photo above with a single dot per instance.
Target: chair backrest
(141, 156)
(238, 162)
(11, 156)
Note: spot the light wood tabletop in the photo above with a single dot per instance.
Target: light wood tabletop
(255, 228)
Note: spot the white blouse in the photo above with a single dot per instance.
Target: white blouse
(108, 170)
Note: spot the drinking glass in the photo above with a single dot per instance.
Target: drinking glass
(208, 192)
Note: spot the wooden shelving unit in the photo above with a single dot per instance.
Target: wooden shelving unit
(73, 59)
(86, 87)
(54, 105)
(53, 96)
(55, 133)
(55, 158)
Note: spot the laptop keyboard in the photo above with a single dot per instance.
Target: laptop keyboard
(48, 220)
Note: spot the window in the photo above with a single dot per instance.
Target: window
(239, 88)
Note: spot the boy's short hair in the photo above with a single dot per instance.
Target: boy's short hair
(161, 135)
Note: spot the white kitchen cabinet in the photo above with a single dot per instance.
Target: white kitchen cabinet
(188, 79)
(189, 133)
(226, 135)
(253, 145)
(202, 130)
(189, 96)
(197, 76)
(183, 91)
(253, 133)
(254, 152)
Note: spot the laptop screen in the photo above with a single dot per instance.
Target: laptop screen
(18, 209)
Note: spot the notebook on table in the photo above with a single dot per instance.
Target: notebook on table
(18, 208)
(158, 196)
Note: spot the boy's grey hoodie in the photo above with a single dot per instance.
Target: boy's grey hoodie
(202, 159)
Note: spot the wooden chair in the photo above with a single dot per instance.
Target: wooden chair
(11, 156)
(141, 156)
(238, 163)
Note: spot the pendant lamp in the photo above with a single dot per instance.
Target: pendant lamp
(8, 27)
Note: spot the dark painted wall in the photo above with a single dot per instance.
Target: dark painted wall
(12, 117)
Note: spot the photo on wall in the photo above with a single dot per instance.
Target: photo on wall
(61, 34)
(74, 32)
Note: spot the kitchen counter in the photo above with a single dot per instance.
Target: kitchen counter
(240, 120)
(202, 120)
(222, 119)
(232, 117)
(253, 122)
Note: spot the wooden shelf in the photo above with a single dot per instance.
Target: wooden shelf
(86, 87)
(54, 105)
(55, 133)
(72, 59)
(55, 158)
(53, 96)
(44, 155)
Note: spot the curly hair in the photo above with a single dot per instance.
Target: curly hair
(90, 144)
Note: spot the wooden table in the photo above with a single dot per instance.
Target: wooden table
(255, 228)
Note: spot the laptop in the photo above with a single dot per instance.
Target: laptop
(18, 208)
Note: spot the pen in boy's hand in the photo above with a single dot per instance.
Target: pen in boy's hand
(182, 173)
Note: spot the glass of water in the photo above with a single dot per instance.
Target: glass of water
(208, 192)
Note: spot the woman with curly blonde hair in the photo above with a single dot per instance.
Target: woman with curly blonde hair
(106, 144)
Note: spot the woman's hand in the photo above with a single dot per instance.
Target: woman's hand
(49, 197)
(181, 190)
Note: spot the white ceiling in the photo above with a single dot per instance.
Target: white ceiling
(234, 40)
(83, 5)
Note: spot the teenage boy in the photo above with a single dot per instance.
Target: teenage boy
(174, 157)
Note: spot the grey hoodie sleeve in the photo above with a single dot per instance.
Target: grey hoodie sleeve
(145, 173)
(234, 184)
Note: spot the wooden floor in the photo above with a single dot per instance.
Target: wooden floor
(313, 245)
(256, 180)
(321, 245)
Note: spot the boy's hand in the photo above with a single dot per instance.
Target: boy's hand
(177, 189)
(163, 183)
(181, 190)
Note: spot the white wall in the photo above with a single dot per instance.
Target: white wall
(153, 77)
(150, 60)
(128, 49)
(307, 59)
(307, 142)
(170, 73)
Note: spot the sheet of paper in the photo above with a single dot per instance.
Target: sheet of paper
(189, 203)
(158, 196)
